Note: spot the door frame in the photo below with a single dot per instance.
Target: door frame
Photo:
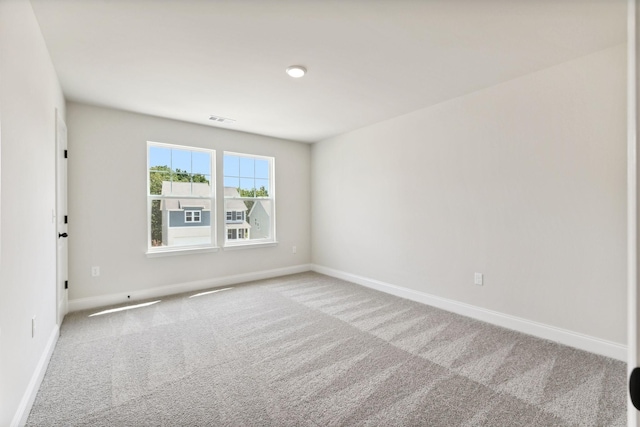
(62, 300)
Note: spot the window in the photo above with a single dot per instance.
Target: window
(249, 198)
(237, 233)
(192, 216)
(235, 216)
(180, 197)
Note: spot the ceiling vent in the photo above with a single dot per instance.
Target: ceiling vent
(219, 119)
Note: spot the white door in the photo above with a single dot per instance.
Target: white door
(61, 218)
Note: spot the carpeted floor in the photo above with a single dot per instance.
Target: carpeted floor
(310, 350)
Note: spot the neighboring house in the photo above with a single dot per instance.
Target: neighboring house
(188, 221)
(260, 220)
(185, 221)
(236, 224)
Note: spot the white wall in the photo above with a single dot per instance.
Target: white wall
(29, 94)
(524, 182)
(107, 204)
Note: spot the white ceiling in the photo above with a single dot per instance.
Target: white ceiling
(368, 60)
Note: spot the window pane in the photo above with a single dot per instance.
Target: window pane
(259, 220)
(173, 227)
(262, 185)
(231, 182)
(181, 160)
(248, 220)
(247, 184)
(186, 188)
(235, 211)
(155, 181)
(253, 217)
(201, 163)
(231, 166)
(159, 156)
(156, 223)
(181, 175)
(262, 168)
(185, 220)
(247, 167)
(201, 178)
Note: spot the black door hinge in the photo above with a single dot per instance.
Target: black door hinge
(66, 284)
(66, 219)
(65, 154)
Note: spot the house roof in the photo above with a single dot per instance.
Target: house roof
(259, 202)
(231, 192)
(201, 189)
(233, 205)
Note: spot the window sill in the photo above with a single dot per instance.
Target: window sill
(236, 246)
(181, 251)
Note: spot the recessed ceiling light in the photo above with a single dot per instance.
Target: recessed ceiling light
(296, 71)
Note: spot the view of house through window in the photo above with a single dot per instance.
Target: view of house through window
(248, 198)
(180, 196)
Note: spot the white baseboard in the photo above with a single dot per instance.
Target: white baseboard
(161, 291)
(541, 330)
(29, 396)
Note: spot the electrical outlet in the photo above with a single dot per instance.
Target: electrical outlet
(95, 271)
(294, 250)
(33, 326)
(478, 279)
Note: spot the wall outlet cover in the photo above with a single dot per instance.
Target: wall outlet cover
(478, 279)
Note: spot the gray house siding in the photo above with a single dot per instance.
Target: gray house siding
(177, 219)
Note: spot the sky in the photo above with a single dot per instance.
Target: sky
(239, 171)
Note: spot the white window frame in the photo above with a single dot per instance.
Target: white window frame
(192, 218)
(235, 216)
(177, 250)
(247, 242)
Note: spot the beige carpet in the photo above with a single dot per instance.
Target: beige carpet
(310, 350)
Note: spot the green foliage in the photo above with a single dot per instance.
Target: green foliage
(156, 223)
(261, 192)
(164, 173)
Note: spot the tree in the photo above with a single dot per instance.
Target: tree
(262, 192)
